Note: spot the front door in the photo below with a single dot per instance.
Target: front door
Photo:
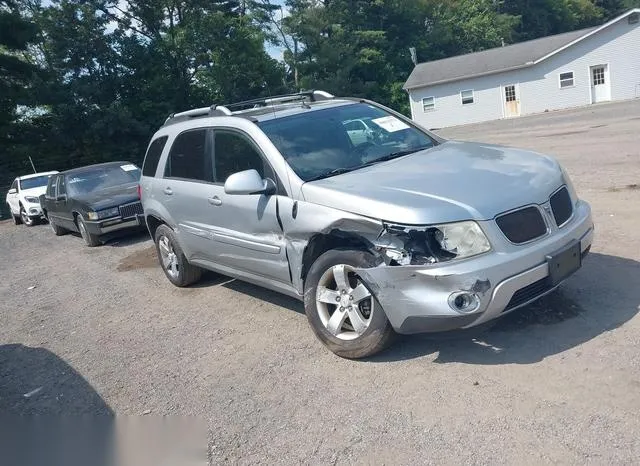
(600, 84)
(246, 230)
(511, 101)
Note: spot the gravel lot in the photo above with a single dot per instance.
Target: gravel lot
(103, 331)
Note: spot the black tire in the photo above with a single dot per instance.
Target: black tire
(379, 333)
(90, 239)
(24, 218)
(58, 231)
(185, 274)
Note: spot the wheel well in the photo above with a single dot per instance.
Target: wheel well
(336, 239)
(152, 224)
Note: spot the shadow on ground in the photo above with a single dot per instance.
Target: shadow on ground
(36, 381)
(601, 297)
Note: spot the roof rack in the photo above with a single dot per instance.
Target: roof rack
(247, 105)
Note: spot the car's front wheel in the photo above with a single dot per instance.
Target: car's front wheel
(28, 221)
(90, 239)
(173, 261)
(341, 309)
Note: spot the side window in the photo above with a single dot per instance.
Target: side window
(62, 188)
(152, 158)
(14, 185)
(234, 153)
(189, 158)
(51, 187)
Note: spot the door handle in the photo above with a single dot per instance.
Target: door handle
(215, 200)
(168, 191)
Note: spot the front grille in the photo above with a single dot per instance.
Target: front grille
(561, 206)
(130, 210)
(522, 225)
(529, 293)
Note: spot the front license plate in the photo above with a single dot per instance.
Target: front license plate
(564, 262)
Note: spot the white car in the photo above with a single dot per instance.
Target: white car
(23, 197)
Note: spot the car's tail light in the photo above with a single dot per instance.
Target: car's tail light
(139, 192)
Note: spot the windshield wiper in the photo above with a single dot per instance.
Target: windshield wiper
(394, 155)
(334, 172)
(391, 156)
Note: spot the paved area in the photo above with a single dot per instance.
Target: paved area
(101, 331)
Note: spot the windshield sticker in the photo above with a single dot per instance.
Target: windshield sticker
(390, 124)
(129, 167)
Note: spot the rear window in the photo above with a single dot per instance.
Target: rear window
(188, 158)
(99, 178)
(152, 158)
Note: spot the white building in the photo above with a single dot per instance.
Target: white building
(566, 70)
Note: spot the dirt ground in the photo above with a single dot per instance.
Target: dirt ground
(102, 331)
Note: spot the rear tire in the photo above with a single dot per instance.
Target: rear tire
(341, 310)
(58, 231)
(172, 259)
(90, 239)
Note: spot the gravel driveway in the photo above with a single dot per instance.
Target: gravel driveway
(102, 331)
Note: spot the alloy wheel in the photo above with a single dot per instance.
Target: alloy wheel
(168, 257)
(345, 305)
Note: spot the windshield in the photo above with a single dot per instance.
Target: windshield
(99, 178)
(322, 143)
(36, 182)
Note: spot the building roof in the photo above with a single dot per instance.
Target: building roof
(498, 59)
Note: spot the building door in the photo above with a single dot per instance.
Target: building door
(511, 101)
(600, 84)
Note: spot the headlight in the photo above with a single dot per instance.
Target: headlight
(410, 245)
(106, 213)
(32, 200)
(464, 239)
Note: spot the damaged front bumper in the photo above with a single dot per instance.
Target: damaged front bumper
(418, 298)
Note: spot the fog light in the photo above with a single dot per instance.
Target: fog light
(464, 302)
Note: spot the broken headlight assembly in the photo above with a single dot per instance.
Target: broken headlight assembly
(412, 245)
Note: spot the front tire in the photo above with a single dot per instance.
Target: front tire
(90, 239)
(172, 259)
(28, 221)
(341, 310)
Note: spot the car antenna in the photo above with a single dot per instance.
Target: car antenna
(32, 165)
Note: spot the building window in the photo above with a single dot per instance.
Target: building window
(428, 104)
(566, 80)
(510, 93)
(598, 75)
(467, 97)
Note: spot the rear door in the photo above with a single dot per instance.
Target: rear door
(12, 199)
(186, 191)
(246, 227)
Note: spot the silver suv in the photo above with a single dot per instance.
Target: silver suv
(405, 232)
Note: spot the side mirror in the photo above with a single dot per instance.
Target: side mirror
(13, 191)
(249, 182)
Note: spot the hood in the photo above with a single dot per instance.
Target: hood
(450, 182)
(34, 192)
(111, 197)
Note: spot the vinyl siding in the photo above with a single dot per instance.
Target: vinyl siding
(617, 46)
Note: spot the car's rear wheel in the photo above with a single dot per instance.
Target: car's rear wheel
(28, 221)
(90, 239)
(58, 231)
(172, 260)
(341, 309)
(16, 218)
